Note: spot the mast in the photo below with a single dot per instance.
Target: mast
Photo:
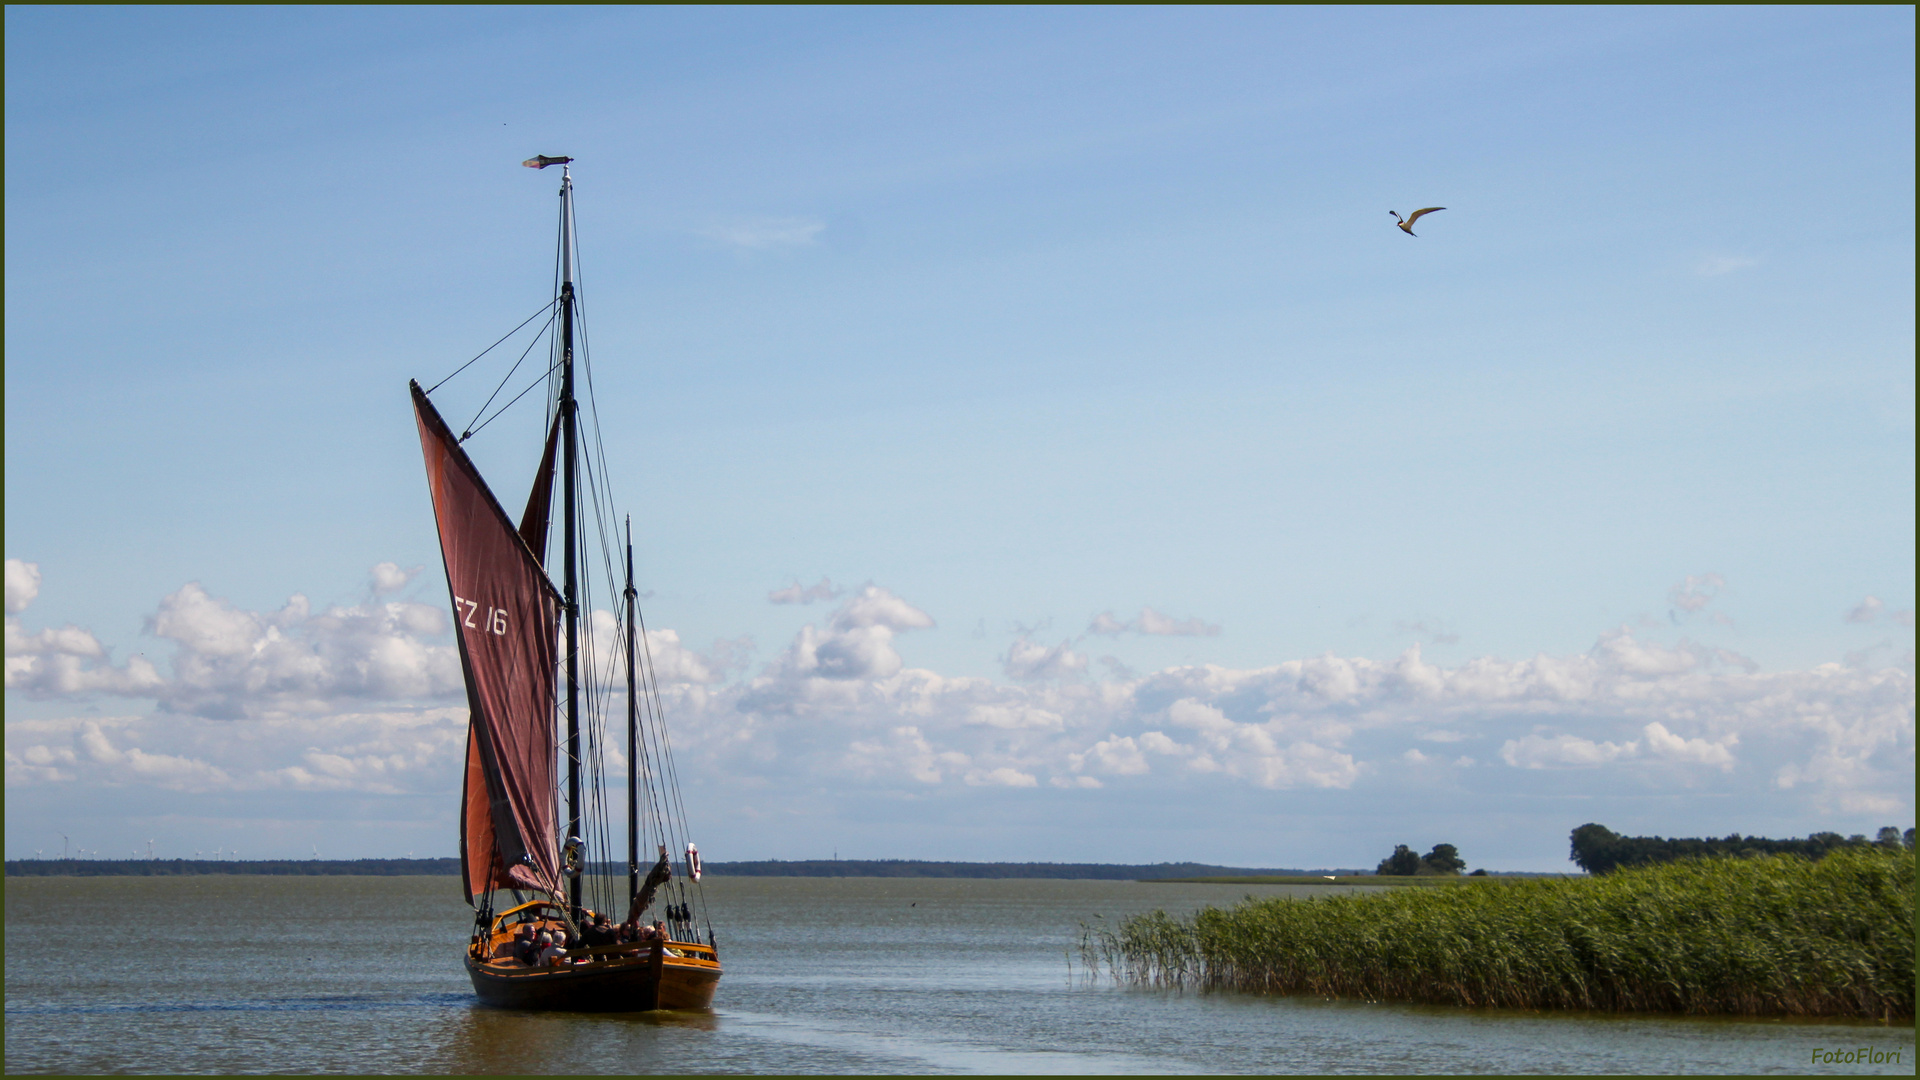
(633, 737)
(570, 591)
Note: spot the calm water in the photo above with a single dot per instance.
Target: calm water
(358, 975)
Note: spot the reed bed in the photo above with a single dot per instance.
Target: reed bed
(1775, 935)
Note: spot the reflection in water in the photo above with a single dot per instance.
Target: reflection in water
(257, 974)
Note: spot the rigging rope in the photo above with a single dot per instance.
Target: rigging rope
(490, 348)
(467, 434)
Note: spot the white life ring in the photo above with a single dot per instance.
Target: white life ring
(693, 861)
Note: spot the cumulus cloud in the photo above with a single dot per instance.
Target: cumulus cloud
(64, 661)
(381, 753)
(367, 699)
(230, 663)
(673, 662)
(1662, 743)
(1027, 661)
(1116, 755)
(1001, 777)
(23, 584)
(1317, 723)
(875, 606)
(856, 644)
(1539, 751)
(1152, 622)
(794, 594)
(387, 577)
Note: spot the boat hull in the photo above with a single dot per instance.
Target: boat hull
(636, 985)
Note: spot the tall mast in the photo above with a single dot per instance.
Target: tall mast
(568, 412)
(633, 736)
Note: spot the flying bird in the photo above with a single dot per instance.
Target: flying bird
(1407, 225)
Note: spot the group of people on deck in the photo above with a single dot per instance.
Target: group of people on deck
(548, 948)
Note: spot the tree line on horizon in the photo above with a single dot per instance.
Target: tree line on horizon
(1598, 849)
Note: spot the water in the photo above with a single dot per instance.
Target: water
(851, 975)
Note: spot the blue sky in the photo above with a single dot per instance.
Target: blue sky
(999, 321)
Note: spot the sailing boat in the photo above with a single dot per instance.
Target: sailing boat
(522, 648)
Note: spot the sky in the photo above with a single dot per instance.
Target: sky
(1040, 442)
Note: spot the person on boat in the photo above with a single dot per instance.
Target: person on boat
(547, 950)
(598, 932)
(526, 947)
(555, 954)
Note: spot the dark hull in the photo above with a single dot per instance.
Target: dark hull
(635, 985)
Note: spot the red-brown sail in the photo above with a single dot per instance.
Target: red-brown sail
(505, 615)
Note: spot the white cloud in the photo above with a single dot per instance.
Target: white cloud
(875, 606)
(66, 661)
(856, 646)
(390, 578)
(387, 753)
(1014, 717)
(1114, 756)
(368, 699)
(1029, 662)
(23, 584)
(1665, 744)
(232, 663)
(1546, 751)
(1001, 777)
(903, 751)
(1621, 650)
(673, 662)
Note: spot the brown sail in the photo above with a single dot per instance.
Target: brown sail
(505, 617)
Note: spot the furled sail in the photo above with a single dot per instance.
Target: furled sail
(505, 616)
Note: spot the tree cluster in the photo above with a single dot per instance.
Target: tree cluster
(1598, 849)
(1443, 859)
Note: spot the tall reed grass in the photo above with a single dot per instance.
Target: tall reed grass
(1774, 935)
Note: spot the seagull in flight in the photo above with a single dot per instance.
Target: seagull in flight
(1407, 225)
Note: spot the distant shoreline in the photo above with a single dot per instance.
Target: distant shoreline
(817, 868)
(449, 867)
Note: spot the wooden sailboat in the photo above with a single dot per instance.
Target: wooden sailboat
(521, 649)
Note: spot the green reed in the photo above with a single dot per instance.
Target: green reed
(1774, 935)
